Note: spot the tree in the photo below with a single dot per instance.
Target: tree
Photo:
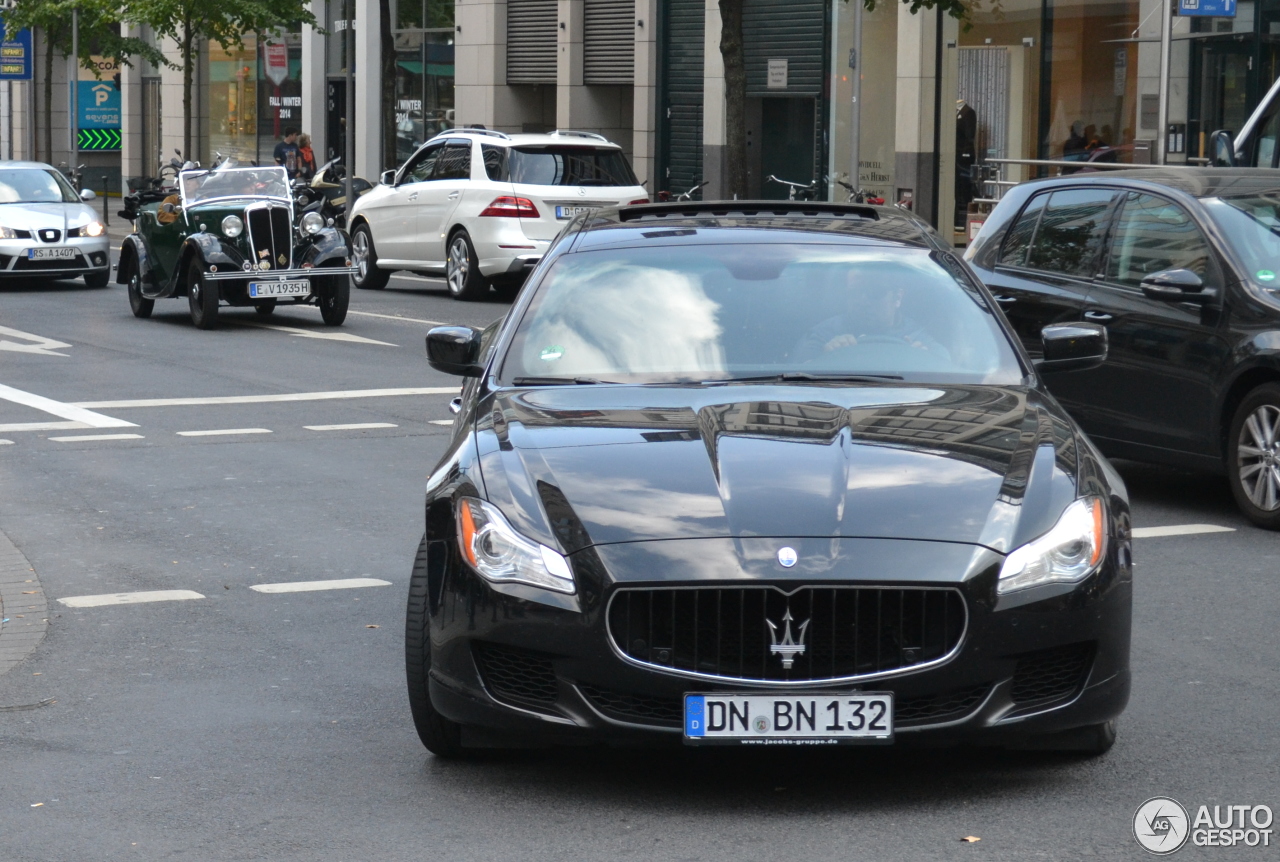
(99, 25)
(735, 80)
(190, 23)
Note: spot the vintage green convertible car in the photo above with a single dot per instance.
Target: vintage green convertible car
(231, 235)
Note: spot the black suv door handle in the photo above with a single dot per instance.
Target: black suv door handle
(1098, 316)
(1005, 300)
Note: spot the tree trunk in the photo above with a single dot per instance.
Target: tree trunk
(389, 157)
(188, 75)
(48, 98)
(735, 98)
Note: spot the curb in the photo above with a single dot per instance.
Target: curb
(23, 603)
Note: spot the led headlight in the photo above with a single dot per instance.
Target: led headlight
(311, 224)
(93, 228)
(232, 227)
(503, 556)
(1067, 554)
(8, 233)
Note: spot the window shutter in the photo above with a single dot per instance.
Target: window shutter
(531, 41)
(609, 42)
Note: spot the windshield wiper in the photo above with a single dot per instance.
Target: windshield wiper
(557, 381)
(788, 376)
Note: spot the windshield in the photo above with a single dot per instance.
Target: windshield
(35, 186)
(1252, 226)
(270, 182)
(721, 312)
(570, 166)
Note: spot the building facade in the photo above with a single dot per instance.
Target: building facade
(916, 99)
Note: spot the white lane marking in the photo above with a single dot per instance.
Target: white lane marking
(441, 421)
(310, 586)
(1179, 530)
(70, 412)
(358, 426)
(41, 346)
(308, 333)
(129, 598)
(6, 442)
(43, 426)
(398, 317)
(264, 399)
(220, 431)
(80, 437)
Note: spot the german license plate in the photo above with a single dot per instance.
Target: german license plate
(788, 718)
(266, 289)
(55, 253)
(570, 212)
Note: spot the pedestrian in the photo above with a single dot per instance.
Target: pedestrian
(306, 158)
(286, 152)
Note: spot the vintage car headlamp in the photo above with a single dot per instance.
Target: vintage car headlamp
(93, 228)
(501, 555)
(311, 224)
(232, 227)
(8, 233)
(1067, 554)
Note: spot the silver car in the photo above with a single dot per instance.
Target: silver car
(46, 228)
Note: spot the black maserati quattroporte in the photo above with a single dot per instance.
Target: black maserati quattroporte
(765, 474)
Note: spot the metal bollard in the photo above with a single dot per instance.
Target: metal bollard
(106, 220)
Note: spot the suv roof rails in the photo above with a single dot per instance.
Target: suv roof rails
(493, 133)
(713, 209)
(571, 133)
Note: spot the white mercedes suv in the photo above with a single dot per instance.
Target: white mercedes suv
(481, 207)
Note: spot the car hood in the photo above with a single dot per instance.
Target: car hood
(984, 465)
(52, 215)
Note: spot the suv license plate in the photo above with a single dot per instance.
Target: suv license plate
(55, 253)
(570, 212)
(788, 718)
(264, 289)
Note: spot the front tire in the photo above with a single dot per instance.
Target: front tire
(1253, 456)
(139, 304)
(98, 278)
(442, 737)
(202, 296)
(365, 258)
(335, 300)
(462, 270)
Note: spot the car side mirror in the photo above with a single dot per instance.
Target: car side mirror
(388, 178)
(1175, 285)
(1073, 346)
(88, 195)
(1223, 149)
(455, 350)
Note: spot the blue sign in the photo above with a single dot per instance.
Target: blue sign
(15, 55)
(99, 103)
(1208, 8)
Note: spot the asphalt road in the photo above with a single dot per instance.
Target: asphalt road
(274, 726)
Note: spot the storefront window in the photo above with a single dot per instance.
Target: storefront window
(255, 94)
(424, 72)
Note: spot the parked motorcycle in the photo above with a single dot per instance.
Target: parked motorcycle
(327, 191)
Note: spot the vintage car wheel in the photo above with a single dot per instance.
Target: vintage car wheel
(442, 737)
(365, 257)
(97, 278)
(139, 304)
(335, 299)
(1253, 456)
(462, 270)
(202, 296)
(266, 308)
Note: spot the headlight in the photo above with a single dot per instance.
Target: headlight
(93, 228)
(1067, 554)
(311, 224)
(232, 227)
(8, 233)
(502, 555)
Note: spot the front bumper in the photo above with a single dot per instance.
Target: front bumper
(92, 254)
(517, 672)
(277, 274)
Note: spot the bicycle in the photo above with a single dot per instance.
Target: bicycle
(686, 195)
(859, 196)
(806, 192)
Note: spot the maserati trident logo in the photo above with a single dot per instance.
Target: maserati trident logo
(787, 647)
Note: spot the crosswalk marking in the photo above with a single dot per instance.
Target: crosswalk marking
(267, 399)
(356, 426)
(217, 432)
(313, 586)
(129, 598)
(80, 437)
(1179, 530)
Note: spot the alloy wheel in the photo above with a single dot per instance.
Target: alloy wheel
(459, 265)
(360, 254)
(1258, 457)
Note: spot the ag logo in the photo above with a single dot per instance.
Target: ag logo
(1160, 825)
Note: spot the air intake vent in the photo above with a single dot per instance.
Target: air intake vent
(1051, 674)
(517, 677)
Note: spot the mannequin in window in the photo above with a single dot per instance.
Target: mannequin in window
(966, 156)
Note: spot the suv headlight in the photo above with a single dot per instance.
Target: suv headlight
(1067, 554)
(232, 227)
(311, 223)
(503, 556)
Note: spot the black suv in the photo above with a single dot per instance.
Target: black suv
(1181, 266)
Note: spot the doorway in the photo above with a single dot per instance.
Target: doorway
(787, 150)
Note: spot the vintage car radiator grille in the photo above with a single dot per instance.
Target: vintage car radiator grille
(742, 632)
(270, 236)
